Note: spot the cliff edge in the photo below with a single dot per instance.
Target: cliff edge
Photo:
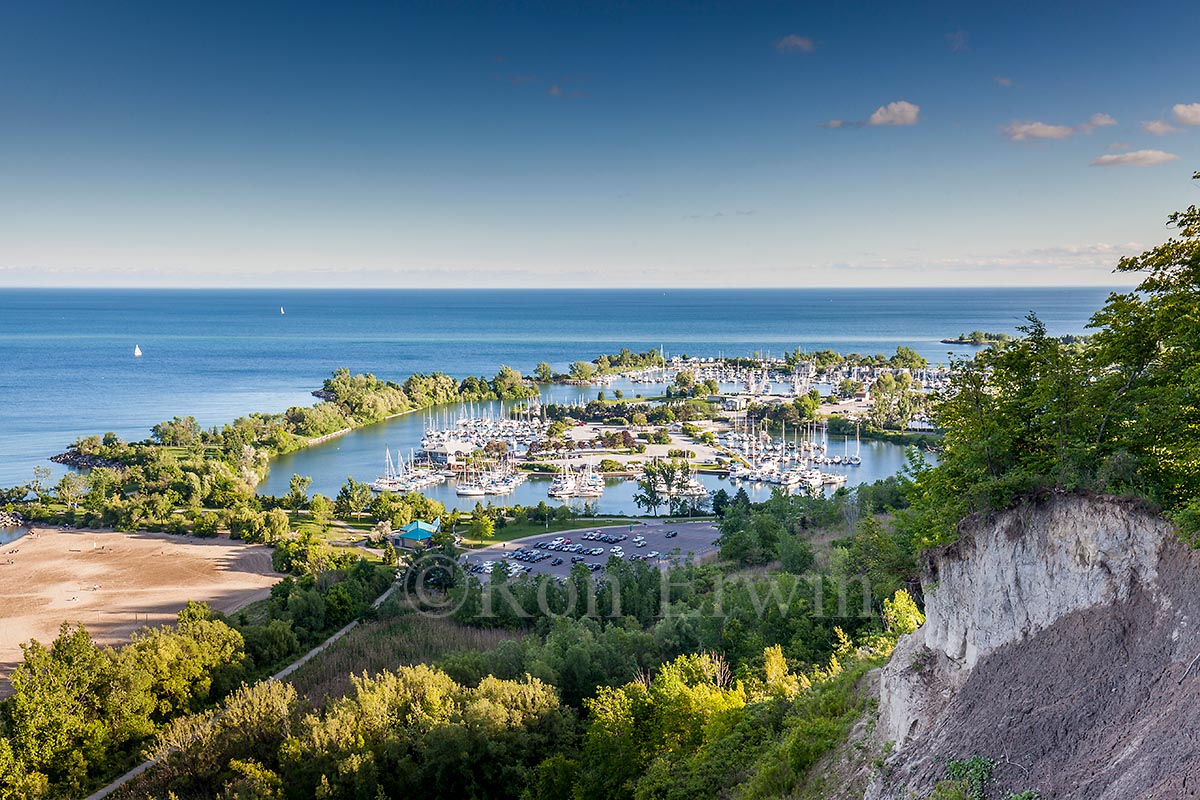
(1060, 642)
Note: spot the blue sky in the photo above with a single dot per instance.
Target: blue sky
(591, 144)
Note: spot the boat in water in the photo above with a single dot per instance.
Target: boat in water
(563, 485)
(137, 351)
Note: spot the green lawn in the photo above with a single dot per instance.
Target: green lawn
(520, 530)
(335, 530)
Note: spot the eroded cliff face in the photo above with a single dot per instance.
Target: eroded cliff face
(1057, 641)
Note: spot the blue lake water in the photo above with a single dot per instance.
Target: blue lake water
(9, 535)
(67, 367)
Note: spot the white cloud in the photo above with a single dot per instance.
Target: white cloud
(958, 41)
(1096, 121)
(1020, 131)
(1136, 158)
(900, 112)
(1187, 114)
(1002, 81)
(834, 123)
(1159, 127)
(792, 43)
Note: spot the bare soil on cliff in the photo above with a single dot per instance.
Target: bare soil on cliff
(1103, 705)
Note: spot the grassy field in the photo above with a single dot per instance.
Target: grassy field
(387, 644)
(520, 530)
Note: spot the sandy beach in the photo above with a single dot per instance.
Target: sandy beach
(116, 582)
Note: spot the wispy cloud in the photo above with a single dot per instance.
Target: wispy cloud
(1023, 131)
(1187, 113)
(720, 214)
(794, 43)
(958, 41)
(1097, 121)
(900, 112)
(1135, 158)
(555, 91)
(1002, 81)
(1159, 127)
(1026, 130)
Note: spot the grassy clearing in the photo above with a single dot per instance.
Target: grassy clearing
(387, 644)
(520, 530)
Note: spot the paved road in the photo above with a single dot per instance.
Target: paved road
(696, 538)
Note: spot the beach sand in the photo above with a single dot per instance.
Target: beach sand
(115, 583)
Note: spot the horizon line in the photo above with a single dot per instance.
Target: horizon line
(264, 287)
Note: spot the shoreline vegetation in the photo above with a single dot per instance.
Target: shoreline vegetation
(185, 479)
(978, 338)
(981, 338)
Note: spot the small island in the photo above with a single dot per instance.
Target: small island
(978, 338)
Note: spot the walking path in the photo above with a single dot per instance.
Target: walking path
(283, 673)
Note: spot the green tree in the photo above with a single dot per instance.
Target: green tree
(509, 385)
(481, 527)
(352, 498)
(582, 370)
(276, 525)
(900, 613)
(177, 432)
(849, 387)
(321, 509)
(70, 488)
(653, 488)
(297, 497)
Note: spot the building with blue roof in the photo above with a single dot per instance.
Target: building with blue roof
(417, 535)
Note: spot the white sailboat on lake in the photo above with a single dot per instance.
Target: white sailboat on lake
(137, 351)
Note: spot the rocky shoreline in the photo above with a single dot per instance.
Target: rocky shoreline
(11, 519)
(74, 458)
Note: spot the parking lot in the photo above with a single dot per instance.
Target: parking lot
(657, 542)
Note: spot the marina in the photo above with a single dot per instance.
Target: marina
(358, 454)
